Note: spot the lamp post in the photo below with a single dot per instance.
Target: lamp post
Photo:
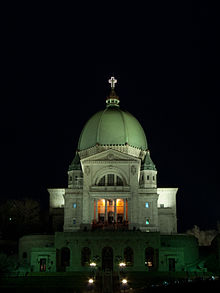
(124, 284)
(91, 281)
(122, 266)
(93, 268)
(92, 264)
(91, 284)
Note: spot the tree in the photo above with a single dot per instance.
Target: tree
(19, 217)
(204, 237)
(7, 263)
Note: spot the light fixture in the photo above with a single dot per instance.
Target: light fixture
(92, 264)
(91, 281)
(124, 281)
(122, 264)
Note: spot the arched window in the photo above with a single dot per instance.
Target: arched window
(119, 181)
(85, 256)
(129, 256)
(110, 180)
(65, 257)
(149, 258)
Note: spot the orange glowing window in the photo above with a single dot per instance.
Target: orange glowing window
(110, 205)
(101, 206)
(120, 206)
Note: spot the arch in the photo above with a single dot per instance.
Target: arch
(65, 257)
(129, 256)
(107, 258)
(110, 170)
(85, 256)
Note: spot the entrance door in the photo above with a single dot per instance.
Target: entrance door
(43, 265)
(172, 264)
(107, 258)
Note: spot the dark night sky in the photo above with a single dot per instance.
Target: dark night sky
(57, 63)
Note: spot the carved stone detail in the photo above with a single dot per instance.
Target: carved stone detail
(133, 169)
(87, 170)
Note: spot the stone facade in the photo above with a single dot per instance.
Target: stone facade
(146, 207)
(27, 243)
(74, 251)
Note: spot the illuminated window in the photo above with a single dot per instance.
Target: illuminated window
(147, 222)
(149, 258)
(74, 205)
(43, 264)
(146, 204)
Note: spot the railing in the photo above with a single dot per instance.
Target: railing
(110, 226)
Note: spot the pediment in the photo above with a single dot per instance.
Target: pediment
(111, 156)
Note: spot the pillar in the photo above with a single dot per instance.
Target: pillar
(106, 218)
(96, 210)
(124, 209)
(115, 210)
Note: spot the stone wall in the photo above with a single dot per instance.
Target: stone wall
(48, 255)
(26, 243)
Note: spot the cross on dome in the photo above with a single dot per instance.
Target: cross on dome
(112, 81)
(112, 100)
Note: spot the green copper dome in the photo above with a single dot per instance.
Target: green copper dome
(148, 163)
(112, 127)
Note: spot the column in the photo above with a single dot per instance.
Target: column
(96, 210)
(115, 210)
(124, 209)
(106, 218)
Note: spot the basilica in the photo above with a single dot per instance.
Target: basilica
(112, 210)
(112, 180)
